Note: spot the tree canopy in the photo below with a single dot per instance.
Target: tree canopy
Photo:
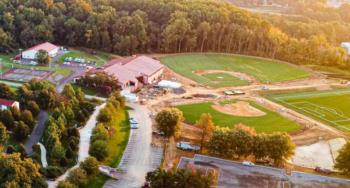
(133, 26)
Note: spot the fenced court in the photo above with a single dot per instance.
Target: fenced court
(25, 75)
(331, 107)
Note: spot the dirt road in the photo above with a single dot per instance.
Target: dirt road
(139, 156)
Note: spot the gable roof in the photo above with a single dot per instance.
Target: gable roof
(144, 65)
(129, 69)
(123, 74)
(44, 46)
(6, 102)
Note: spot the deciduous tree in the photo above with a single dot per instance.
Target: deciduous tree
(168, 121)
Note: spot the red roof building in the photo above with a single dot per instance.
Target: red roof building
(133, 72)
(7, 104)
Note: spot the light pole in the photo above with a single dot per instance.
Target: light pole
(1, 67)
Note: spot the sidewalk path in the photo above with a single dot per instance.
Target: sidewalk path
(43, 155)
(84, 144)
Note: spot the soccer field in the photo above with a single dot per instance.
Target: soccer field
(331, 107)
(264, 70)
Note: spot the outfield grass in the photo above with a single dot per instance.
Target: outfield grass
(115, 147)
(271, 122)
(100, 58)
(217, 80)
(266, 71)
(330, 107)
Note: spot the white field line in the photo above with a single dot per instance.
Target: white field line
(311, 113)
(323, 94)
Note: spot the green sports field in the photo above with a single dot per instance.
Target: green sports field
(217, 80)
(331, 107)
(264, 70)
(270, 122)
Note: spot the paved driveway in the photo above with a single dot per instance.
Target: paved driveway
(37, 132)
(139, 156)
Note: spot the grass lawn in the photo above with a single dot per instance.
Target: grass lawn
(116, 146)
(330, 107)
(87, 91)
(271, 122)
(7, 64)
(100, 58)
(217, 80)
(266, 71)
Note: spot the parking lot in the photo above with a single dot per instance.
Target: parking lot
(234, 174)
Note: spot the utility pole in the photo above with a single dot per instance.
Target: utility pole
(1, 67)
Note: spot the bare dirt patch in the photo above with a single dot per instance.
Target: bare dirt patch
(322, 153)
(240, 108)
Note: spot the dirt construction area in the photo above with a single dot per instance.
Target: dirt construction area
(320, 154)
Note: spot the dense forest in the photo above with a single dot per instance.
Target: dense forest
(141, 26)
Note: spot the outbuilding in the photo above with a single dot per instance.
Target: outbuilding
(32, 52)
(7, 104)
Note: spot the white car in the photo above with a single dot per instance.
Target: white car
(248, 163)
(187, 146)
(132, 121)
(134, 126)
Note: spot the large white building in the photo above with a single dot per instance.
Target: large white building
(346, 46)
(32, 52)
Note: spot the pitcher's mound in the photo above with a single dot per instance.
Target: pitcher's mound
(240, 108)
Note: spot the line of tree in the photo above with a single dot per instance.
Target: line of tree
(136, 26)
(243, 141)
(176, 178)
(80, 176)
(61, 136)
(16, 171)
(102, 132)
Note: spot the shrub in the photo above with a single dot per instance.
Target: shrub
(53, 172)
(90, 165)
(98, 149)
(66, 184)
(78, 177)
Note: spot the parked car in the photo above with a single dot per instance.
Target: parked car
(134, 126)
(132, 121)
(187, 146)
(322, 170)
(158, 133)
(248, 163)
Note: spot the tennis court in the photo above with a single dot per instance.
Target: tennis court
(25, 75)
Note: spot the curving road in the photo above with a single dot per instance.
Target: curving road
(139, 156)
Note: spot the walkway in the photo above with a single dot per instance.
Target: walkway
(84, 144)
(139, 156)
(43, 155)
